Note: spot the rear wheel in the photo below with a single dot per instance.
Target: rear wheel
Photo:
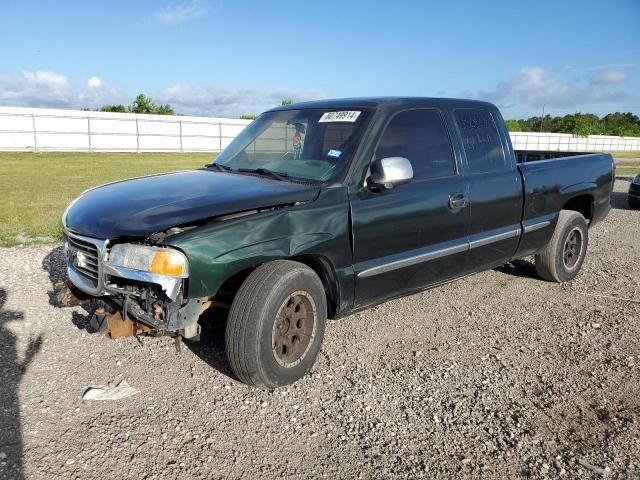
(563, 256)
(276, 324)
(633, 202)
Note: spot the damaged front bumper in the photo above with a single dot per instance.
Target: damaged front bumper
(171, 286)
(89, 269)
(153, 300)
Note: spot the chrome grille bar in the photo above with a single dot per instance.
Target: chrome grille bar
(84, 258)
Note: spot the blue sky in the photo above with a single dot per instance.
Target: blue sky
(226, 58)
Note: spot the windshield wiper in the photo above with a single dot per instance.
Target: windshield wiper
(222, 168)
(265, 171)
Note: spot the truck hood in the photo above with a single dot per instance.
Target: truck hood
(145, 205)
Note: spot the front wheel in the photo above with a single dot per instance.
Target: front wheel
(276, 324)
(563, 256)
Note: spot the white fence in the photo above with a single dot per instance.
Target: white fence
(565, 142)
(39, 129)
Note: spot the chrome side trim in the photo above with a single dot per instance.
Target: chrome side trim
(443, 252)
(481, 242)
(424, 257)
(536, 226)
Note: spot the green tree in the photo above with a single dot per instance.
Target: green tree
(248, 116)
(622, 124)
(144, 104)
(513, 126)
(581, 124)
(286, 101)
(164, 110)
(114, 108)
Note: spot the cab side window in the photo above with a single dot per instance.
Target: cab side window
(421, 137)
(481, 140)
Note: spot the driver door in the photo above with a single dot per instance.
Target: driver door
(413, 235)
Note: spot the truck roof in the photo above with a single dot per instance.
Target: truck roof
(373, 102)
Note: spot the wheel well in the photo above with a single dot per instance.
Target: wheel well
(322, 267)
(324, 270)
(227, 291)
(582, 204)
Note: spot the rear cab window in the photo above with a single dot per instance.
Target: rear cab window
(481, 140)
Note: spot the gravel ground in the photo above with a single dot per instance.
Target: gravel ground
(499, 375)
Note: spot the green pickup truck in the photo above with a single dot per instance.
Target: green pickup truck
(317, 210)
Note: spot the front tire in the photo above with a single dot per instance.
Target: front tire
(276, 324)
(563, 256)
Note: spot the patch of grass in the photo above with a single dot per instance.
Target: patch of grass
(35, 188)
(626, 155)
(627, 163)
(627, 171)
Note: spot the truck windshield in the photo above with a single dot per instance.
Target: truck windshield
(306, 144)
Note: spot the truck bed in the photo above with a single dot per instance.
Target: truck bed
(580, 182)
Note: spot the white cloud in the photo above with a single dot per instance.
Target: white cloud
(94, 82)
(227, 102)
(40, 88)
(100, 95)
(179, 13)
(610, 75)
(54, 90)
(535, 87)
(46, 78)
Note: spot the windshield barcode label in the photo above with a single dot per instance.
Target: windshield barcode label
(339, 117)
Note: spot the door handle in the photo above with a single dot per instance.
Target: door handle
(457, 200)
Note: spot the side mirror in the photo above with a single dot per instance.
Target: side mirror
(389, 172)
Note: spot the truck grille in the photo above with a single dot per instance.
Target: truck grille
(83, 257)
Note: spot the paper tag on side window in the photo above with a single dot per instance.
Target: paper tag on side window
(339, 117)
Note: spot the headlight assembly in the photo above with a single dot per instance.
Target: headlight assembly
(163, 261)
(636, 180)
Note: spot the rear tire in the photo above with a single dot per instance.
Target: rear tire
(633, 202)
(563, 256)
(276, 324)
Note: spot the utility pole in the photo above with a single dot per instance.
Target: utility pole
(542, 122)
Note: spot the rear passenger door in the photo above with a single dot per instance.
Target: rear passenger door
(413, 235)
(495, 188)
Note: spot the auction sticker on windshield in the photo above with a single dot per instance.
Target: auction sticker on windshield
(339, 117)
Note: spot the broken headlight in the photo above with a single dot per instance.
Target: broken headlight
(163, 261)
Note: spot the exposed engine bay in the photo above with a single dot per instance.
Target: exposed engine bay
(136, 288)
(144, 311)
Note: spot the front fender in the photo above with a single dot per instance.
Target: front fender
(218, 251)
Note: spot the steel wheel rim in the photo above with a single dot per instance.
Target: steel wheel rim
(572, 250)
(294, 329)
